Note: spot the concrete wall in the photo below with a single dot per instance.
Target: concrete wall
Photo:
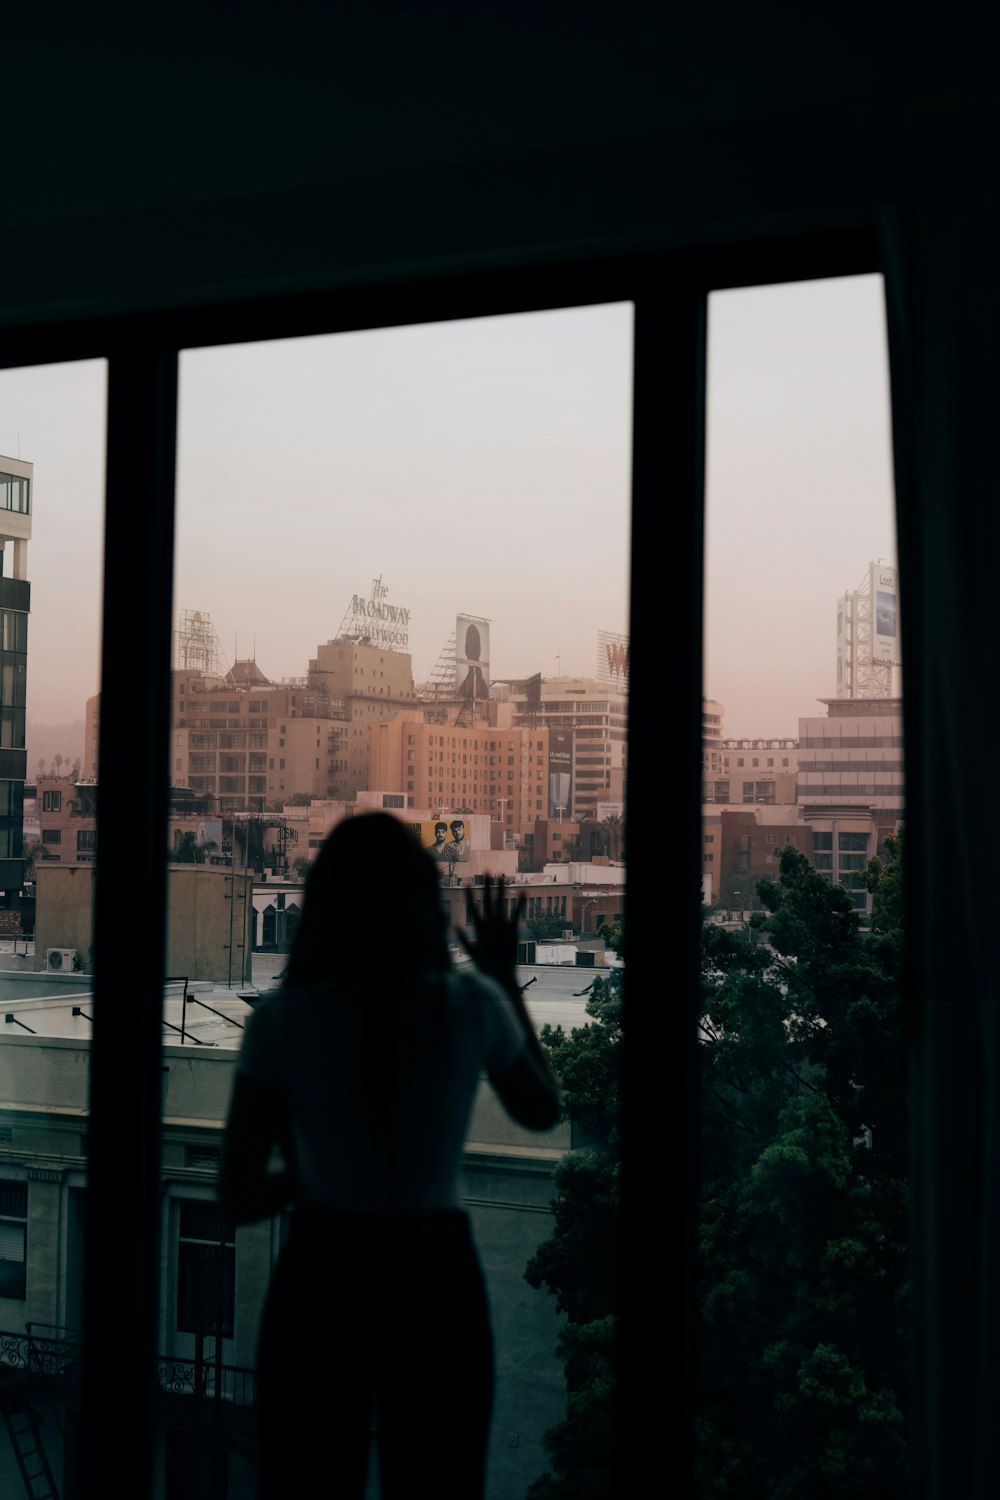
(64, 911)
(209, 923)
(505, 1184)
(209, 919)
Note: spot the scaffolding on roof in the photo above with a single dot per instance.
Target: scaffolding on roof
(197, 647)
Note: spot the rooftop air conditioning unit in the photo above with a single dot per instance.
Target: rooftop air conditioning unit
(60, 960)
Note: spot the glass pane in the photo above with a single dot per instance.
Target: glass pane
(804, 1271)
(52, 429)
(401, 586)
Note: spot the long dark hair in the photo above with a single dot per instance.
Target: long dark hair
(372, 902)
(373, 917)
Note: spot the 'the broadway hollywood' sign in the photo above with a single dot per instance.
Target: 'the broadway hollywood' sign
(377, 621)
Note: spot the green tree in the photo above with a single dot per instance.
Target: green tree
(545, 925)
(613, 934)
(186, 850)
(802, 1230)
(614, 827)
(301, 865)
(578, 1261)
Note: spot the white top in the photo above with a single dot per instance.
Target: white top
(308, 1042)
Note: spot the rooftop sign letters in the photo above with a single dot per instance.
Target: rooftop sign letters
(373, 619)
(612, 658)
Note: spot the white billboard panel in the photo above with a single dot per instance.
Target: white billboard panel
(885, 613)
(472, 657)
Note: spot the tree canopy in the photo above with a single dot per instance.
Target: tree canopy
(578, 1262)
(544, 925)
(802, 1233)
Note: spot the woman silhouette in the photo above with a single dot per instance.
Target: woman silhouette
(362, 1072)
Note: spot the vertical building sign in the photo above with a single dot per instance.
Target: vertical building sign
(885, 608)
(560, 772)
(472, 657)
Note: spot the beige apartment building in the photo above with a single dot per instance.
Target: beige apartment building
(854, 754)
(464, 768)
(373, 684)
(245, 741)
(712, 717)
(750, 771)
(587, 722)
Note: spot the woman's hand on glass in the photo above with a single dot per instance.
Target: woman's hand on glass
(493, 943)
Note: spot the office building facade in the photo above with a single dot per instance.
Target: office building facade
(587, 723)
(16, 500)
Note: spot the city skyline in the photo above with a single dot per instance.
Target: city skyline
(482, 467)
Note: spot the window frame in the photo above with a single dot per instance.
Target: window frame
(19, 1218)
(669, 291)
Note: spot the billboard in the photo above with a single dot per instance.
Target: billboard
(560, 772)
(444, 839)
(472, 657)
(885, 611)
(612, 658)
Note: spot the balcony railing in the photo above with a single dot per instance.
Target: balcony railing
(43, 1362)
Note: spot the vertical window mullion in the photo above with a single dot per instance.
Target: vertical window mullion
(665, 672)
(123, 1222)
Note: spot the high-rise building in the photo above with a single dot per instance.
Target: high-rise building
(373, 683)
(245, 741)
(587, 724)
(477, 768)
(746, 770)
(854, 755)
(15, 603)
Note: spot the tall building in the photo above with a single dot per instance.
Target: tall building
(374, 683)
(587, 724)
(463, 767)
(854, 755)
(15, 604)
(712, 716)
(746, 770)
(245, 741)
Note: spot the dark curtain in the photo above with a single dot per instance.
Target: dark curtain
(943, 304)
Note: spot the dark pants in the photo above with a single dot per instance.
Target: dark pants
(375, 1321)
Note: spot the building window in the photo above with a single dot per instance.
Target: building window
(206, 1269)
(13, 1238)
(51, 835)
(51, 801)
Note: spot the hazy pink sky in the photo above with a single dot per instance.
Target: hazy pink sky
(483, 467)
(799, 490)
